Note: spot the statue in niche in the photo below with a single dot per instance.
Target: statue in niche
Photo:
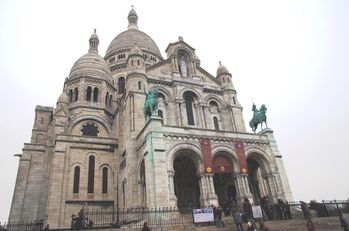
(182, 66)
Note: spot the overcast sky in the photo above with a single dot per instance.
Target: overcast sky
(292, 56)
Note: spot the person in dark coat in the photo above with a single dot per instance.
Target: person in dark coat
(145, 227)
(344, 224)
(310, 225)
(238, 221)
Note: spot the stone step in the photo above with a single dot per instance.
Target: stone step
(321, 224)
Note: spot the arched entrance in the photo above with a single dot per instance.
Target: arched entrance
(255, 179)
(223, 180)
(186, 183)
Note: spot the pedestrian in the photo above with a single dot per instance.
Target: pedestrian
(238, 220)
(145, 227)
(310, 225)
(305, 210)
(344, 223)
(250, 226)
(47, 227)
(262, 226)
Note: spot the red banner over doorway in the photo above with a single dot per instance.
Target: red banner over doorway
(240, 151)
(207, 154)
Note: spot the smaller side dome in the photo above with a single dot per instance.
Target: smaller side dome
(91, 64)
(222, 69)
(63, 98)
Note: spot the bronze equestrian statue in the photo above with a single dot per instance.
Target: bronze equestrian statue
(259, 116)
(151, 103)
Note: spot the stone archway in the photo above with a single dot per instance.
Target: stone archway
(186, 182)
(259, 187)
(224, 181)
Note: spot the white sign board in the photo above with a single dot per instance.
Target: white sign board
(203, 215)
(257, 212)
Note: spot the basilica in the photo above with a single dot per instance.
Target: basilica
(98, 148)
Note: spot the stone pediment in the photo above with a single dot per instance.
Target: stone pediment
(161, 69)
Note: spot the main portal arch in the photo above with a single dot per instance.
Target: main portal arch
(224, 180)
(186, 181)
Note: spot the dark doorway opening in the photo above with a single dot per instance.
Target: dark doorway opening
(186, 183)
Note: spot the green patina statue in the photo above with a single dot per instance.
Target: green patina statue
(259, 116)
(151, 103)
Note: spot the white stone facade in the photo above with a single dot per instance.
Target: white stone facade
(95, 149)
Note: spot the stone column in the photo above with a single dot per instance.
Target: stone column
(183, 114)
(173, 198)
(272, 187)
(175, 64)
(244, 189)
(198, 115)
(193, 67)
(208, 196)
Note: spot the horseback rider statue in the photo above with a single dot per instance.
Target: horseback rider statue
(259, 116)
(151, 103)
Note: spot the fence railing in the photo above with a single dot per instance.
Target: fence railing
(36, 225)
(169, 216)
(133, 218)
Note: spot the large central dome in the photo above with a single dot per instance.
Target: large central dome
(127, 39)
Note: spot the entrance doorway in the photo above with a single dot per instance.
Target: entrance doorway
(223, 180)
(255, 180)
(186, 183)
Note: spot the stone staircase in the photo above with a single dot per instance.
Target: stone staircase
(321, 224)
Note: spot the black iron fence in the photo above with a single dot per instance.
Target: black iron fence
(133, 218)
(290, 210)
(37, 225)
(167, 216)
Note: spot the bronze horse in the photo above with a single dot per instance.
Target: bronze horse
(151, 103)
(259, 116)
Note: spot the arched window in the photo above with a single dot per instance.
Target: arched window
(106, 99)
(234, 100)
(95, 94)
(88, 93)
(215, 122)
(70, 95)
(138, 62)
(110, 100)
(91, 174)
(76, 183)
(160, 114)
(214, 108)
(105, 180)
(131, 62)
(139, 85)
(188, 99)
(121, 85)
(76, 94)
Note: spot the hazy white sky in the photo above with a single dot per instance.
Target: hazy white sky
(292, 56)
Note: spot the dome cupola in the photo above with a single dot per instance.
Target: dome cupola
(222, 69)
(63, 98)
(94, 41)
(132, 19)
(91, 64)
(124, 42)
